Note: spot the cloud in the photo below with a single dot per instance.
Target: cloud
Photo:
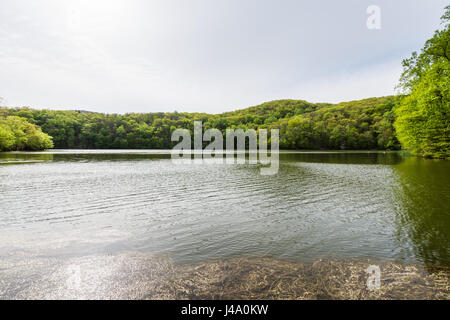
(372, 81)
(139, 56)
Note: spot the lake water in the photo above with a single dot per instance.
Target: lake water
(73, 203)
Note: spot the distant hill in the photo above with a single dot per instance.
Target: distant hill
(362, 124)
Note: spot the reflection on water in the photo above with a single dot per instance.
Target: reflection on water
(349, 157)
(423, 211)
(344, 205)
(22, 158)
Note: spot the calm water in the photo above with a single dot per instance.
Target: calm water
(321, 204)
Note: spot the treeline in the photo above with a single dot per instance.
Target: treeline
(364, 124)
(18, 134)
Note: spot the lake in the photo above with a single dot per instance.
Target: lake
(72, 204)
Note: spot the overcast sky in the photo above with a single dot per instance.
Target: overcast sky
(120, 56)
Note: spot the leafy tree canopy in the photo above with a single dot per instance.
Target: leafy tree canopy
(423, 116)
(18, 134)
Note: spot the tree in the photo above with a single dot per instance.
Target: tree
(18, 134)
(423, 124)
(7, 138)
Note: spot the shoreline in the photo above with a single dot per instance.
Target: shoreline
(138, 276)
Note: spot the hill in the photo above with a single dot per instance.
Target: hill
(363, 124)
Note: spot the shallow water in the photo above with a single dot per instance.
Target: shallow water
(68, 204)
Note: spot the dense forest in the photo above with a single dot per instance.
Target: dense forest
(419, 118)
(365, 124)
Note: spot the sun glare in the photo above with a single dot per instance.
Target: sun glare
(83, 16)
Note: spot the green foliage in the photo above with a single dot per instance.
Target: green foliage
(423, 117)
(18, 134)
(7, 138)
(365, 124)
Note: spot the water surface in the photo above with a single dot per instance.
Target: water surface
(69, 203)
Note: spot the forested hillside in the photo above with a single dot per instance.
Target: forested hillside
(364, 124)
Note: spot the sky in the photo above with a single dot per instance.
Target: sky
(119, 56)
